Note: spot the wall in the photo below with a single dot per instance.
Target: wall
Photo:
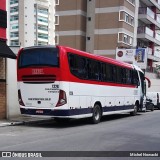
(155, 83)
(12, 94)
(2, 89)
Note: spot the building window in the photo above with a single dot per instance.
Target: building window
(14, 9)
(43, 11)
(126, 17)
(14, 18)
(42, 43)
(43, 36)
(42, 28)
(88, 38)
(56, 20)
(125, 38)
(14, 26)
(13, 2)
(14, 34)
(57, 2)
(42, 19)
(14, 43)
(56, 39)
(132, 2)
(89, 18)
(132, 21)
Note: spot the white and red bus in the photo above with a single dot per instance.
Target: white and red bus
(62, 82)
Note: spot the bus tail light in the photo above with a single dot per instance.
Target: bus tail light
(62, 98)
(20, 98)
(157, 98)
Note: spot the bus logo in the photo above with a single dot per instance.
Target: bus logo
(37, 71)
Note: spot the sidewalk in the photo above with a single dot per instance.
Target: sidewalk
(19, 120)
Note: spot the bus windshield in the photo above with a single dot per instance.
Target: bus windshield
(39, 57)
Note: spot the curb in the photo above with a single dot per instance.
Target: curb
(10, 124)
(23, 122)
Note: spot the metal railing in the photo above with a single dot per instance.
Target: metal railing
(145, 30)
(148, 11)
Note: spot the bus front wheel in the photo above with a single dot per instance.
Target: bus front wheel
(97, 114)
(135, 110)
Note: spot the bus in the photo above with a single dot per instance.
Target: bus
(65, 83)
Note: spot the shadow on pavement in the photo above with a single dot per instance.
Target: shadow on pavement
(77, 122)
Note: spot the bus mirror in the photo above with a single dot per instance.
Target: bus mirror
(149, 82)
(149, 85)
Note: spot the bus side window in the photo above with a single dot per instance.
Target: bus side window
(135, 78)
(128, 76)
(82, 67)
(93, 70)
(72, 63)
(119, 75)
(124, 75)
(78, 66)
(103, 72)
(109, 76)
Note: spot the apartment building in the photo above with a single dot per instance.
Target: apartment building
(102, 26)
(71, 23)
(31, 22)
(148, 29)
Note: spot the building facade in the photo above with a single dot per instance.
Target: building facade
(101, 26)
(5, 52)
(31, 22)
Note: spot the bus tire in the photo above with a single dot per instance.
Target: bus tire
(97, 114)
(135, 110)
(152, 109)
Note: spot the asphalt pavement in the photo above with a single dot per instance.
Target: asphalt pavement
(120, 132)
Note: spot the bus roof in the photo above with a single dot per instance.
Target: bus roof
(98, 57)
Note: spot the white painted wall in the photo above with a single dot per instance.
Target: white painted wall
(155, 83)
(28, 23)
(12, 94)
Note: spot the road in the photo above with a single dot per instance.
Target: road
(115, 133)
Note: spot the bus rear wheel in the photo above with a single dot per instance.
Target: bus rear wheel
(135, 110)
(97, 114)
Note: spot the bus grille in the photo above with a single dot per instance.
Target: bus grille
(39, 78)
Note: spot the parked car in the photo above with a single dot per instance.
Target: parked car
(154, 96)
(149, 105)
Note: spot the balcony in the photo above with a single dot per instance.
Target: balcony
(157, 53)
(151, 3)
(146, 34)
(147, 16)
(155, 57)
(145, 30)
